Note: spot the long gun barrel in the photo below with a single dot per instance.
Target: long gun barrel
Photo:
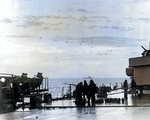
(143, 48)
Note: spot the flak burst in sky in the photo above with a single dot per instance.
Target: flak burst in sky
(72, 38)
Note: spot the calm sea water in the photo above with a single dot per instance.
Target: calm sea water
(60, 86)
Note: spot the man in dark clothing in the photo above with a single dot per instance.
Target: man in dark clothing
(85, 89)
(133, 87)
(92, 91)
(125, 89)
(79, 89)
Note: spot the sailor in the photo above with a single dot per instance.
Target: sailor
(133, 87)
(125, 85)
(79, 89)
(92, 91)
(85, 89)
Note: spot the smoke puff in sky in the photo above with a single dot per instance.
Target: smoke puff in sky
(72, 39)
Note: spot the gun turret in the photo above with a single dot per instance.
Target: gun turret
(146, 52)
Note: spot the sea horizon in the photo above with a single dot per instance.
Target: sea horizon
(57, 86)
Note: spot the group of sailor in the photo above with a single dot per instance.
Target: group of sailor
(85, 93)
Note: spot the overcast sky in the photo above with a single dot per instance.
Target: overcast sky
(72, 38)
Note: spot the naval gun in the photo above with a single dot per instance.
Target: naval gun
(139, 71)
(26, 84)
(145, 52)
(14, 88)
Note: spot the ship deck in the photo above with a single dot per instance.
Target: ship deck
(134, 108)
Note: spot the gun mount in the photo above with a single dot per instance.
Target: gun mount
(139, 71)
(145, 52)
(14, 88)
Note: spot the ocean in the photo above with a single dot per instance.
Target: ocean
(60, 86)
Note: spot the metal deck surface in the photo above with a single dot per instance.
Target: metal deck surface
(135, 108)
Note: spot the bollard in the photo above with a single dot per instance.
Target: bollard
(122, 100)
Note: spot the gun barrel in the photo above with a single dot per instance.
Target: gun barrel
(143, 48)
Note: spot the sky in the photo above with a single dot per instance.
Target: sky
(72, 38)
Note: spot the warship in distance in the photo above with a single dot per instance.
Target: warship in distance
(139, 71)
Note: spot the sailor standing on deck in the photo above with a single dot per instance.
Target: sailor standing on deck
(125, 85)
(92, 91)
(79, 89)
(85, 90)
(133, 87)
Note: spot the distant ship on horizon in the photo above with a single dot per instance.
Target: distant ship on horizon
(89, 77)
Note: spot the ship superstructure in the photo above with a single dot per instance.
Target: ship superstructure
(139, 70)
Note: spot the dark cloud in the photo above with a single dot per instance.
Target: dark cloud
(104, 27)
(31, 17)
(24, 26)
(69, 17)
(101, 17)
(57, 29)
(57, 17)
(144, 19)
(65, 38)
(147, 20)
(62, 17)
(103, 41)
(48, 16)
(58, 24)
(6, 20)
(34, 23)
(101, 27)
(46, 27)
(91, 21)
(30, 23)
(111, 41)
(35, 18)
(83, 18)
(122, 28)
(52, 28)
(82, 10)
(129, 19)
(43, 21)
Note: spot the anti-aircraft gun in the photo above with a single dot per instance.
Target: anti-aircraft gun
(145, 52)
(26, 84)
(139, 71)
(14, 88)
